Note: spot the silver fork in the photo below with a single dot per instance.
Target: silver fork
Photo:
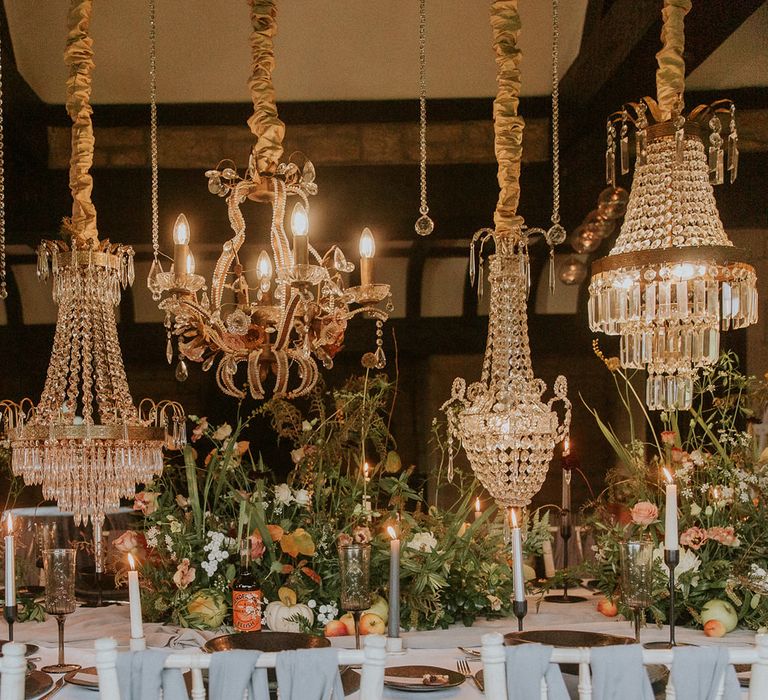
(463, 667)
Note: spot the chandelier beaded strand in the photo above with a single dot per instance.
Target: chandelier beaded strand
(507, 431)
(86, 442)
(673, 280)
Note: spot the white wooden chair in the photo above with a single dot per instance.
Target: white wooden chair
(13, 668)
(372, 658)
(495, 677)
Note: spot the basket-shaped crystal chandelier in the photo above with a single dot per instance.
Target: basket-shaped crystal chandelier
(86, 442)
(508, 431)
(290, 312)
(673, 280)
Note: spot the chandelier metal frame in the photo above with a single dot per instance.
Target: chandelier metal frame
(282, 329)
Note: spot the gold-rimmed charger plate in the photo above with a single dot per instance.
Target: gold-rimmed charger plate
(391, 673)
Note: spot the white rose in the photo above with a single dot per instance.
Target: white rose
(301, 496)
(283, 494)
(223, 432)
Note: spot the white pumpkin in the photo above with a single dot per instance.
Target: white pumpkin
(278, 613)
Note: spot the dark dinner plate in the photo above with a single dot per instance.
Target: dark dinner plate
(393, 673)
(36, 684)
(266, 641)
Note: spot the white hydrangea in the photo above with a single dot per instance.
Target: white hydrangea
(327, 612)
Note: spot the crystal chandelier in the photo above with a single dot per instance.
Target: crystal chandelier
(86, 442)
(507, 431)
(673, 280)
(292, 310)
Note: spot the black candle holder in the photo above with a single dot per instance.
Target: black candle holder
(565, 533)
(11, 614)
(520, 608)
(671, 559)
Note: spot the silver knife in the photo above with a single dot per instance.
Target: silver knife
(57, 686)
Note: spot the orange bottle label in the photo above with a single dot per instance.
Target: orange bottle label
(246, 610)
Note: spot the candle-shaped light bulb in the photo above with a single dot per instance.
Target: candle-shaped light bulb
(264, 273)
(181, 237)
(566, 447)
(671, 541)
(517, 556)
(367, 251)
(134, 600)
(10, 563)
(190, 265)
(394, 583)
(300, 230)
(478, 511)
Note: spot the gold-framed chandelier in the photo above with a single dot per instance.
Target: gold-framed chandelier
(673, 280)
(85, 442)
(290, 312)
(508, 432)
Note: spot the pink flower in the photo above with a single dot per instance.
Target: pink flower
(146, 502)
(668, 437)
(130, 541)
(678, 454)
(694, 537)
(257, 546)
(199, 429)
(724, 535)
(644, 513)
(344, 539)
(361, 534)
(184, 575)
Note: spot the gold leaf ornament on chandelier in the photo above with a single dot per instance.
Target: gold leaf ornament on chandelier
(673, 280)
(86, 442)
(290, 312)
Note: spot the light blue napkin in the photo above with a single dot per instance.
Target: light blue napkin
(527, 664)
(309, 674)
(233, 672)
(141, 675)
(618, 672)
(696, 673)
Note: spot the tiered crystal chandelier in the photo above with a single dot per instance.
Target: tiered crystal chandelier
(297, 311)
(507, 431)
(86, 442)
(673, 280)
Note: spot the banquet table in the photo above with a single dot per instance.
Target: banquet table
(434, 648)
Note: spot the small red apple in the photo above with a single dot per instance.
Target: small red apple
(607, 607)
(335, 628)
(371, 623)
(714, 628)
(349, 622)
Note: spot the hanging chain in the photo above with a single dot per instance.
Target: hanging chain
(555, 112)
(153, 127)
(424, 225)
(3, 285)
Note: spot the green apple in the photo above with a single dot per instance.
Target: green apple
(722, 611)
(379, 606)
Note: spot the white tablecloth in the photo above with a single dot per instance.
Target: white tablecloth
(434, 648)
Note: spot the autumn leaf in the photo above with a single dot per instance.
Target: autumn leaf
(298, 542)
(287, 569)
(312, 574)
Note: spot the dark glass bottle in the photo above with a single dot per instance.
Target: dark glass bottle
(246, 595)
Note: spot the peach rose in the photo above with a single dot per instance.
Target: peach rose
(129, 542)
(724, 535)
(644, 513)
(184, 575)
(257, 546)
(668, 437)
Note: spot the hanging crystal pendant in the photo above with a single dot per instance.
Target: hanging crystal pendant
(181, 373)
(153, 281)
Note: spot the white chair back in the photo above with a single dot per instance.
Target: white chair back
(495, 676)
(13, 668)
(372, 659)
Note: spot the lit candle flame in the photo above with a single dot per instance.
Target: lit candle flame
(566, 447)
(131, 562)
(365, 471)
(668, 476)
(9, 524)
(514, 517)
(391, 532)
(477, 504)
